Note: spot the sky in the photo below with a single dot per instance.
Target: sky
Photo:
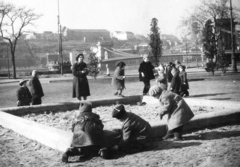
(112, 15)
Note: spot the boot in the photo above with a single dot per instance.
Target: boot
(168, 136)
(177, 136)
(65, 157)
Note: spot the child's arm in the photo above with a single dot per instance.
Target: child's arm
(166, 106)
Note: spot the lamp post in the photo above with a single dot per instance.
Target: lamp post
(187, 51)
(234, 64)
(60, 40)
(8, 63)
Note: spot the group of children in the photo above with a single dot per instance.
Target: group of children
(89, 138)
(172, 77)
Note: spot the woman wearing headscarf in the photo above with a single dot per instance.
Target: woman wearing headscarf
(118, 80)
(80, 81)
(146, 73)
(23, 94)
(176, 81)
(178, 111)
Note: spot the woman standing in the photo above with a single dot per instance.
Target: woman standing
(146, 73)
(118, 80)
(80, 81)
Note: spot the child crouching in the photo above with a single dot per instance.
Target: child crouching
(179, 113)
(135, 131)
(88, 135)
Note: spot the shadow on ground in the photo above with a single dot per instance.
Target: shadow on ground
(213, 135)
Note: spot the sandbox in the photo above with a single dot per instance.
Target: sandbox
(56, 134)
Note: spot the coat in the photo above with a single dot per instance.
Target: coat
(80, 81)
(176, 83)
(134, 128)
(147, 69)
(178, 111)
(24, 96)
(88, 130)
(118, 81)
(162, 80)
(36, 88)
(184, 82)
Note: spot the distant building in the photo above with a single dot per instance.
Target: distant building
(123, 35)
(87, 35)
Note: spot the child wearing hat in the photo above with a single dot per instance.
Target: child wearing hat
(178, 111)
(176, 81)
(146, 73)
(24, 96)
(136, 131)
(118, 80)
(88, 135)
(184, 82)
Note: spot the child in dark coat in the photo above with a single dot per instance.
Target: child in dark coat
(135, 131)
(184, 82)
(176, 81)
(118, 80)
(88, 135)
(178, 111)
(24, 96)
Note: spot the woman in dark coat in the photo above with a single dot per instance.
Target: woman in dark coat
(88, 135)
(23, 94)
(36, 88)
(184, 82)
(80, 81)
(118, 80)
(146, 73)
(176, 81)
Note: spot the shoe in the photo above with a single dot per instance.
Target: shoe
(167, 136)
(120, 95)
(104, 153)
(65, 158)
(177, 139)
(116, 93)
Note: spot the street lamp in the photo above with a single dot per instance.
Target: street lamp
(60, 40)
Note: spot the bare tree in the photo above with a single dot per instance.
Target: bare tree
(13, 21)
(196, 19)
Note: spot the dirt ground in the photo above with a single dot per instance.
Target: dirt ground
(208, 147)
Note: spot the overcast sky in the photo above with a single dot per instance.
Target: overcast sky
(113, 15)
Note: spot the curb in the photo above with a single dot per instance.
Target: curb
(60, 139)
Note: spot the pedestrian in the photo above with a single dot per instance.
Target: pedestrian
(80, 81)
(136, 132)
(161, 76)
(184, 81)
(177, 64)
(88, 135)
(118, 80)
(36, 88)
(24, 96)
(146, 73)
(169, 75)
(176, 81)
(178, 111)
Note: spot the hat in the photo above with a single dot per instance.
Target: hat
(174, 71)
(119, 111)
(145, 56)
(155, 90)
(85, 107)
(121, 64)
(22, 82)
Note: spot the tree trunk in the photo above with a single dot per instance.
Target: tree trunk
(14, 66)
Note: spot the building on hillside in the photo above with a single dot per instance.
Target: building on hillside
(86, 35)
(123, 35)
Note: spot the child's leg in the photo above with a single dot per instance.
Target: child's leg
(178, 133)
(168, 135)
